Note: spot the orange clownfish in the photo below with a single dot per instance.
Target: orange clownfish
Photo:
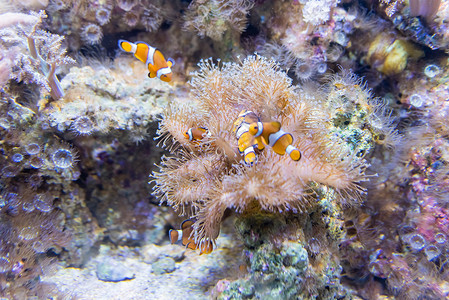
(184, 235)
(195, 134)
(152, 57)
(246, 141)
(273, 135)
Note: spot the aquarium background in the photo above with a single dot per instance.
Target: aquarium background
(96, 169)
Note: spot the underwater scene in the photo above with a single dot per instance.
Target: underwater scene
(224, 149)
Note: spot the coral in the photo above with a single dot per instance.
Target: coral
(99, 99)
(403, 232)
(214, 18)
(103, 15)
(287, 257)
(390, 55)
(83, 125)
(317, 12)
(363, 121)
(37, 54)
(63, 157)
(209, 178)
(75, 155)
(92, 33)
(275, 274)
(90, 20)
(426, 9)
(127, 5)
(151, 17)
(34, 229)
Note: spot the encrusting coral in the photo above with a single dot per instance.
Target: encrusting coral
(208, 176)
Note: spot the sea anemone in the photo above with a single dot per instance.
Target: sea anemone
(209, 176)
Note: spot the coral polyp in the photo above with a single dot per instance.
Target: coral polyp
(103, 16)
(64, 158)
(127, 5)
(32, 148)
(83, 125)
(92, 34)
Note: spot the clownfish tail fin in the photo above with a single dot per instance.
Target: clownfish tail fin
(170, 62)
(127, 46)
(294, 153)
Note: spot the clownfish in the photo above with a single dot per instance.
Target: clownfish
(195, 134)
(246, 142)
(184, 235)
(152, 57)
(273, 135)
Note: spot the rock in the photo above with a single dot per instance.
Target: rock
(164, 265)
(111, 270)
(174, 251)
(151, 253)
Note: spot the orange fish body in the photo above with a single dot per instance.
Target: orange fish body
(273, 135)
(184, 235)
(153, 58)
(206, 247)
(195, 134)
(246, 141)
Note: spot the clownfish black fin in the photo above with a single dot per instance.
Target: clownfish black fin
(191, 245)
(186, 224)
(173, 235)
(151, 75)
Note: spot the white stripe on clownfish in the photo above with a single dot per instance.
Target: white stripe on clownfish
(244, 127)
(150, 57)
(162, 71)
(259, 129)
(190, 134)
(274, 137)
(289, 149)
(133, 48)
